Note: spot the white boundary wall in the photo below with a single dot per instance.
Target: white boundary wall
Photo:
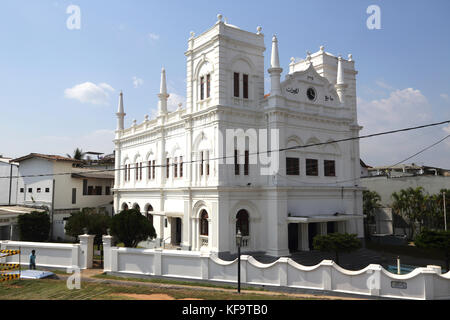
(52, 255)
(422, 283)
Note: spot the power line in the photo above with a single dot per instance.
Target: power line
(254, 153)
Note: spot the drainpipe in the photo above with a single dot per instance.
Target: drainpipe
(10, 184)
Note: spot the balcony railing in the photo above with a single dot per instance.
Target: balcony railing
(203, 241)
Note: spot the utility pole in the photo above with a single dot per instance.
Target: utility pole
(445, 213)
(10, 184)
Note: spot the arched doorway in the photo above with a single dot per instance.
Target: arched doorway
(148, 213)
(242, 224)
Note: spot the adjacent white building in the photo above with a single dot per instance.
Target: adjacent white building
(75, 188)
(199, 186)
(8, 186)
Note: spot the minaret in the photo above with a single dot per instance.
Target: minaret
(120, 113)
(275, 69)
(163, 96)
(340, 83)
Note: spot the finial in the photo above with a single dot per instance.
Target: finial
(192, 34)
(146, 117)
(350, 57)
(292, 60)
(322, 48)
(219, 17)
(179, 106)
(274, 38)
(274, 60)
(258, 30)
(134, 122)
(308, 53)
(225, 20)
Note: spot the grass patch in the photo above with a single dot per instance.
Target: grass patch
(48, 289)
(176, 282)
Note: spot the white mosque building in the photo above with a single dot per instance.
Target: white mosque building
(199, 186)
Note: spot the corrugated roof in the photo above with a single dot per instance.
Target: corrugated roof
(46, 156)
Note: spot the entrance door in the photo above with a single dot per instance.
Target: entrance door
(312, 232)
(293, 237)
(178, 230)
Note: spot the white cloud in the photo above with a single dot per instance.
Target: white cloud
(402, 108)
(137, 82)
(89, 92)
(153, 36)
(445, 96)
(384, 85)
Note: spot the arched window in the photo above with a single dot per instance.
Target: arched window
(242, 222)
(204, 223)
(124, 206)
(136, 207)
(148, 214)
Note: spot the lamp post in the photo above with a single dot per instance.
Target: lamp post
(239, 243)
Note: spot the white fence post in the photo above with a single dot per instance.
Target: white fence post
(283, 269)
(244, 262)
(205, 265)
(326, 274)
(158, 262)
(87, 250)
(428, 283)
(374, 280)
(107, 240)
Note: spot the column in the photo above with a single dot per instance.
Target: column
(87, 250)
(304, 236)
(323, 228)
(107, 252)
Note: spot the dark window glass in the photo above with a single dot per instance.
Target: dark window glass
(175, 167)
(202, 88)
(245, 85)
(242, 222)
(201, 163)
(208, 85)
(74, 195)
(312, 167)
(236, 164)
(149, 170)
(85, 186)
(107, 190)
(129, 172)
(181, 166)
(329, 168)
(136, 167)
(292, 166)
(21, 190)
(246, 163)
(236, 84)
(38, 190)
(90, 190)
(140, 171)
(47, 189)
(154, 168)
(204, 223)
(30, 190)
(167, 167)
(98, 190)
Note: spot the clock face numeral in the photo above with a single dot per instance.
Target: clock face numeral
(311, 94)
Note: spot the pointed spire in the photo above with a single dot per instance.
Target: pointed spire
(340, 72)
(340, 82)
(163, 96)
(274, 60)
(120, 113)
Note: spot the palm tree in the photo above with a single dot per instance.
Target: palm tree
(371, 201)
(78, 154)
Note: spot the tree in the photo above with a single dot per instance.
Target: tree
(371, 201)
(78, 154)
(95, 224)
(131, 227)
(438, 240)
(413, 204)
(34, 226)
(337, 243)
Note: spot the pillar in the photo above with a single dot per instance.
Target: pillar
(87, 250)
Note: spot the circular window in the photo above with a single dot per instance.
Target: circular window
(311, 94)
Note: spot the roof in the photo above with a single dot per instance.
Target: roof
(363, 164)
(95, 174)
(8, 161)
(47, 157)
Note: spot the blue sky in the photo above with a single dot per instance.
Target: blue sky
(403, 80)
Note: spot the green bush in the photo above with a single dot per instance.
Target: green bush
(34, 226)
(337, 243)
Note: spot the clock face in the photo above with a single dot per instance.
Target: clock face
(311, 94)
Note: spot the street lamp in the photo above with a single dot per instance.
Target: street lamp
(239, 243)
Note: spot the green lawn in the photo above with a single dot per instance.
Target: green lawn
(49, 289)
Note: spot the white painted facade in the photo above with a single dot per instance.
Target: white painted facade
(8, 187)
(197, 133)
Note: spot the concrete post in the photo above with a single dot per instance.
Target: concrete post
(87, 250)
(326, 266)
(244, 262)
(205, 265)
(107, 240)
(283, 265)
(428, 283)
(158, 262)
